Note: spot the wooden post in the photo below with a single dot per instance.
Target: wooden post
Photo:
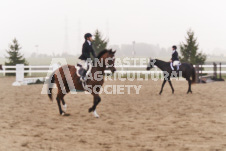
(3, 69)
(214, 71)
(29, 71)
(201, 72)
(197, 73)
(220, 71)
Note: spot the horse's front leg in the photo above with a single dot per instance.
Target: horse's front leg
(162, 86)
(96, 101)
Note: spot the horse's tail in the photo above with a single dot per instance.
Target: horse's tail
(193, 75)
(51, 81)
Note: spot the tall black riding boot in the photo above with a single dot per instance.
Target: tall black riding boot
(82, 72)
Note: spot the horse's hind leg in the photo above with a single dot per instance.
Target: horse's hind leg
(63, 102)
(59, 98)
(189, 85)
(170, 83)
(64, 105)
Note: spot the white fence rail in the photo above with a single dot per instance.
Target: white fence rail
(120, 69)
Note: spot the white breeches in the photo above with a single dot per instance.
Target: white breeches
(84, 64)
(175, 63)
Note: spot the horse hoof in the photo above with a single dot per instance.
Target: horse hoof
(63, 113)
(90, 110)
(65, 107)
(95, 114)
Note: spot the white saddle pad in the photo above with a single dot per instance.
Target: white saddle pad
(176, 63)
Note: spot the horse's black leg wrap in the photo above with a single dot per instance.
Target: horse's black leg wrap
(162, 86)
(59, 105)
(96, 101)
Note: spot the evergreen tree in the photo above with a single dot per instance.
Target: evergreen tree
(189, 50)
(99, 44)
(15, 56)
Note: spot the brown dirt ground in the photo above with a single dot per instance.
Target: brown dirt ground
(144, 122)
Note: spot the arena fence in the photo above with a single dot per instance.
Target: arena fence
(201, 70)
(207, 69)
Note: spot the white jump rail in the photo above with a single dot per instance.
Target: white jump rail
(4, 71)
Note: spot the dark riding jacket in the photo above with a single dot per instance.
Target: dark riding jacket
(86, 50)
(175, 56)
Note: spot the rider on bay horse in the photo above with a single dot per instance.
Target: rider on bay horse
(175, 59)
(85, 56)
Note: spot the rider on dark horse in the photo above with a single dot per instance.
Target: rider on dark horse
(175, 59)
(186, 69)
(85, 56)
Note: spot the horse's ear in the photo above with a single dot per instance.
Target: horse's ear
(110, 50)
(114, 52)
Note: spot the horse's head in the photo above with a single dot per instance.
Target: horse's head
(0, 67)
(108, 57)
(151, 64)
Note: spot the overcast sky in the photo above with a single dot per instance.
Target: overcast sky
(163, 22)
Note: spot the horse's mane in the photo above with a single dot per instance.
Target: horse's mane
(102, 53)
(161, 61)
(161, 64)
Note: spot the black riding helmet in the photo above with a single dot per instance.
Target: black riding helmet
(87, 35)
(174, 47)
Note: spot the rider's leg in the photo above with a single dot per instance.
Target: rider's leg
(82, 71)
(176, 65)
(171, 65)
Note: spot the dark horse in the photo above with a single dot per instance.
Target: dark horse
(0, 67)
(66, 79)
(187, 70)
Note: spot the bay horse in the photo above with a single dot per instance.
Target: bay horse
(66, 78)
(187, 70)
